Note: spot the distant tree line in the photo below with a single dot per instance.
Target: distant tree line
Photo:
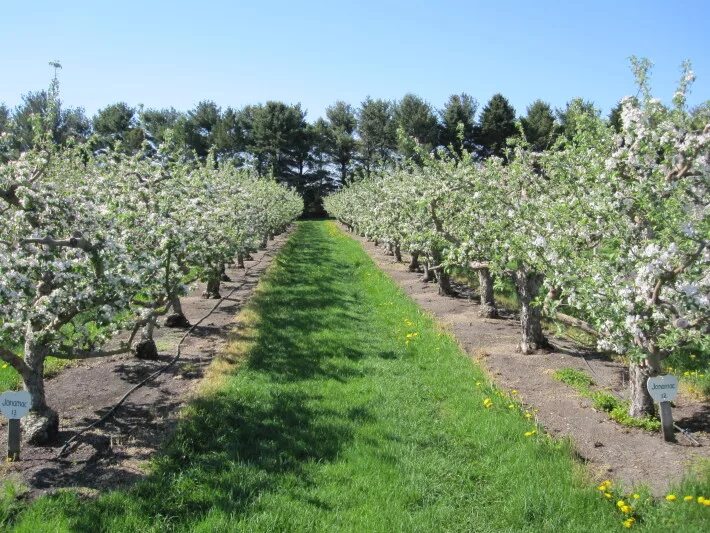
(276, 139)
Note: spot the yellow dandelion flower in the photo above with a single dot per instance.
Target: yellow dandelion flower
(528, 415)
(511, 406)
(514, 391)
(487, 403)
(608, 495)
(701, 500)
(626, 509)
(635, 496)
(688, 498)
(629, 522)
(530, 433)
(620, 503)
(5, 365)
(706, 502)
(671, 497)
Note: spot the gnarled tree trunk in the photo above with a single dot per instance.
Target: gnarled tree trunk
(223, 275)
(41, 425)
(442, 278)
(240, 260)
(528, 284)
(212, 290)
(428, 273)
(177, 318)
(641, 401)
(485, 286)
(414, 263)
(397, 253)
(146, 348)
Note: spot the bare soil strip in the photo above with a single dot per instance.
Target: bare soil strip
(114, 454)
(627, 455)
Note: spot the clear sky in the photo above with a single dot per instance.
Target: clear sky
(176, 53)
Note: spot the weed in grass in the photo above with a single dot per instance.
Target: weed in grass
(604, 401)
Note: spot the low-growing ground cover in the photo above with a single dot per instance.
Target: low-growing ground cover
(342, 406)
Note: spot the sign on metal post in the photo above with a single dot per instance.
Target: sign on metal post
(14, 405)
(664, 389)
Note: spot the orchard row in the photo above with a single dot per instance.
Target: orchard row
(612, 227)
(96, 243)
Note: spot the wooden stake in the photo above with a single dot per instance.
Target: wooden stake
(667, 421)
(13, 440)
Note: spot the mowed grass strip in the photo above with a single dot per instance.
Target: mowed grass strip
(342, 407)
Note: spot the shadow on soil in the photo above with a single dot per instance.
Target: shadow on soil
(242, 442)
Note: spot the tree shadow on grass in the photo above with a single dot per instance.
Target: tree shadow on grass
(243, 441)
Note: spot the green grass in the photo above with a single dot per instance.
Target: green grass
(11, 380)
(603, 400)
(341, 406)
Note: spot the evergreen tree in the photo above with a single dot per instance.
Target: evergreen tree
(458, 118)
(417, 120)
(118, 123)
(277, 138)
(615, 117)
(342, 146)
(200, 127)
(378, 133)
(155, 122)
(230, 135)
(539, 126)
(65, 124)
(567, 117)
(497, 124)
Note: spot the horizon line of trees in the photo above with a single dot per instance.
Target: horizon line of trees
(316, 158)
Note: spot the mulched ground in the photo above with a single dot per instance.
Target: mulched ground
(115, 454)
(627, 455)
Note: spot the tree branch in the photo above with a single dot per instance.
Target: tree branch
(72, 242)
(14, 360)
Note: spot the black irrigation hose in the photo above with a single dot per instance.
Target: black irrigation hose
(155, 374)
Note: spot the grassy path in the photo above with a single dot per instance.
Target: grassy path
(341, 407)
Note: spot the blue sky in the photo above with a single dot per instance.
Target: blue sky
(176, 53)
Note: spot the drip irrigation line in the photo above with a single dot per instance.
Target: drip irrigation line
(178, 353)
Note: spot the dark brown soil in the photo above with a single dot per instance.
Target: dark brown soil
(115, 453)
(627, 455)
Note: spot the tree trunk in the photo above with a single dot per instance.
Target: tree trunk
(485, 286)
(414, 263)
(390, 249)
(442, 277)
(641, 401)
(146, 348)
(528, 284)
(264, 241)
(428, 276)
(177, 318)
(223, 275)
(240, 260)
(212, 291)
(41, 425)
(397, 253)
(272, 236)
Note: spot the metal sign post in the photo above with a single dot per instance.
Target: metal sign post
(14, 405)
(664, 389)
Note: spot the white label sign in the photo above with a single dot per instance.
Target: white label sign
(15, 404)
(662, 388)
